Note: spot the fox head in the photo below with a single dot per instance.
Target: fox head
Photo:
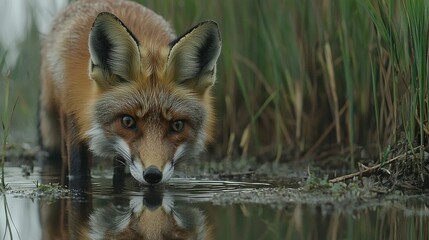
(154, 105)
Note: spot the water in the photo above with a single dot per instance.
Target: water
(188, 209)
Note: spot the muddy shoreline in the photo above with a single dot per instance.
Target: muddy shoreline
(280, 184)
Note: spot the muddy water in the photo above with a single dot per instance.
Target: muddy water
(193, 209)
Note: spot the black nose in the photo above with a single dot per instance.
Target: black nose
(152, 175)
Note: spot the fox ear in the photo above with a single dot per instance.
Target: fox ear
(192, 58)
(114, 51)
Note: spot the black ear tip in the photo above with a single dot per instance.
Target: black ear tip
(103, 16)
(212, 24)
(213, 28)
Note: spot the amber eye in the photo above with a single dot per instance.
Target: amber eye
(128, 122)
(177, 126)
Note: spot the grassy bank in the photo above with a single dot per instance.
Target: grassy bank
(306, 79)
(298, 76)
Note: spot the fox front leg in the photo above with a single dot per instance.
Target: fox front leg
(78, 157)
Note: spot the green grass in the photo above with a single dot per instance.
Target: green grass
(5, 121)
(401, 28)
(5, 129)
(301, 73)
(3, 126)
(304, 78)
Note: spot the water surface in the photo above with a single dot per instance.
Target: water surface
(191, 209)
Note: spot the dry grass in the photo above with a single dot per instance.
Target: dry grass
(297, 76)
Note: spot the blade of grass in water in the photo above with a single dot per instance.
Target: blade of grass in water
(5, 128)
(5, 123)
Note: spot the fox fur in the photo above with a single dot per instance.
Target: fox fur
(116, 82)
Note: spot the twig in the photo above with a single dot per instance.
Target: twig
(373, 168)
(236, 174)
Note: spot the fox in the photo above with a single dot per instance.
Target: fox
(117, 83)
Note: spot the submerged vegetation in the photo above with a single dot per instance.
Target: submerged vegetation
(307, 79)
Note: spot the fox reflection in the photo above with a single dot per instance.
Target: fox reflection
(152, 216)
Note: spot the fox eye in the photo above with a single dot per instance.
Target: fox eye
(128, 122)
(177, 126)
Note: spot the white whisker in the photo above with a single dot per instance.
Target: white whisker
(167, 173)
(136, 169)
(123, 150)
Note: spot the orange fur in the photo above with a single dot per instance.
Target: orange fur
(74, 81)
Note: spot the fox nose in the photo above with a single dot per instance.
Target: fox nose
(152, 175)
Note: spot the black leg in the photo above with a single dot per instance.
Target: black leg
(80, 161)
(79, 156)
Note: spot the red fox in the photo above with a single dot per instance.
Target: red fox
(117, 83)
